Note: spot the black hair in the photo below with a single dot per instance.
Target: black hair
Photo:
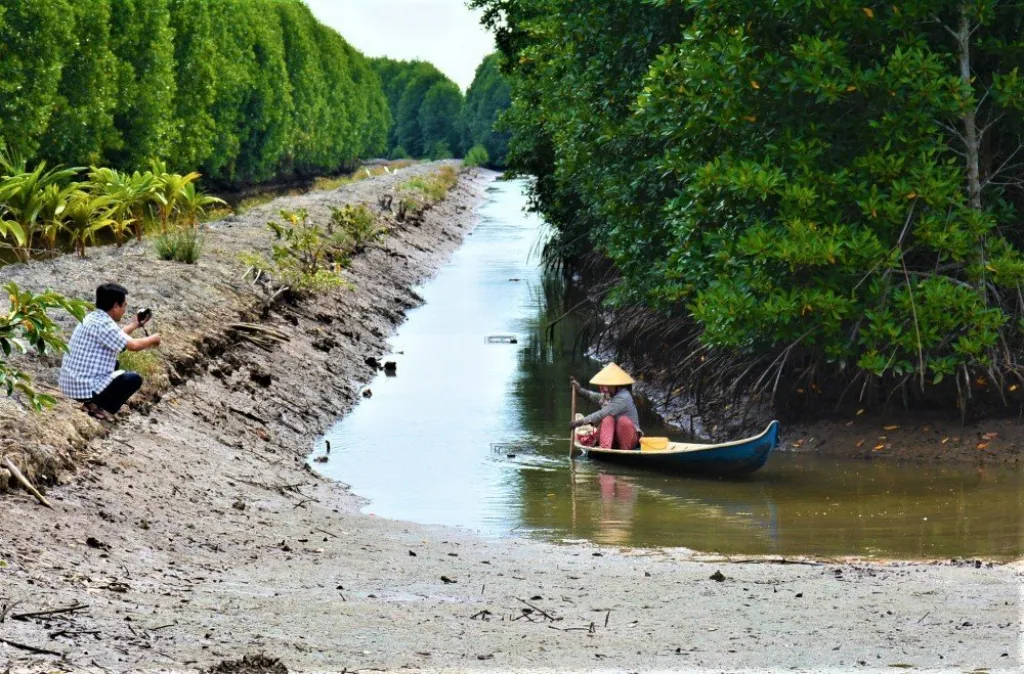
(109, 294)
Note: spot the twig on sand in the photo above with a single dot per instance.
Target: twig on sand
(25, 483)
(539, 610)
(30, 649)
(36, 614)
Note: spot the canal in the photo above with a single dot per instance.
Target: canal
(471, 431)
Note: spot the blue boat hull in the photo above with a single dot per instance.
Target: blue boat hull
(737, 458)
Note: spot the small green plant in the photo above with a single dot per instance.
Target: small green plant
(146, 363)
(477, 156)
(432, 188)
(305, 259)
(182, 244)
(26, 326)
(352, 228)
(399, 153)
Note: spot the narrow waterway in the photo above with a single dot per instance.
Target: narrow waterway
(472, 432)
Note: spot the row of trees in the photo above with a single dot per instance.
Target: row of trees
(242, 90)
(433, 119)
(824, 195)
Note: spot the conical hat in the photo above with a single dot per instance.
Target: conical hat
(612, 375)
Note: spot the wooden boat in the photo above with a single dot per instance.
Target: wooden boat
(727, 458)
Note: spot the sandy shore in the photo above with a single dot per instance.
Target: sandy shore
(194, 533)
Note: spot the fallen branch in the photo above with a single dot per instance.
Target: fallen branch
(36, 614)
(247, 415)
(540, 611)
(25, 483)
(30, 649)
(259, 329)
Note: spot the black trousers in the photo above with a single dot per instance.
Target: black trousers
(113, 398)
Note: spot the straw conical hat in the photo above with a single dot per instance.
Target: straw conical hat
(612, 375)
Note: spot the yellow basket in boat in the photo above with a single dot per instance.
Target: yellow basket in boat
(653, 444)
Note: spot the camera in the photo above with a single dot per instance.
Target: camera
(144, 315)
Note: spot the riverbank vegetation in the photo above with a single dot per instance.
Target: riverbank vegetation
(811, 203)
(241, 90)
(432, 119)
(40, 207)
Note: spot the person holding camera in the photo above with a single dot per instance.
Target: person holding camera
(89, 372)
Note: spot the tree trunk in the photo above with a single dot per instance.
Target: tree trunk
(972, 140)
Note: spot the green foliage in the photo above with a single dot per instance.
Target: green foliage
(431, 188)
(26, 326)
(243, 90)
(425, 105)
(488, 98)
(477, 156)
(439, 119)
(181, 244)
(34, 35)
(353, 227)
(789, 175)
(307, 259)
(143, 43)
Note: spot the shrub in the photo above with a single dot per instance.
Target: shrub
(353, 227)
(440, 150)
(184, 244)
(26, 326)
(305, 260)
(477, 156)
(399, 153)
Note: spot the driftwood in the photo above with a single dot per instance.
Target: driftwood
(25, 483)
(31, 649)
(37, 614)
(260, 330)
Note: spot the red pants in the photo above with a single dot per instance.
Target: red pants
(619, 433)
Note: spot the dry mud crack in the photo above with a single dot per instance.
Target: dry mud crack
(194, 534)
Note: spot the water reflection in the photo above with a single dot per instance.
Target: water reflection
(474, 433)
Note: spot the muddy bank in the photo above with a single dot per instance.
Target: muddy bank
(194, 533)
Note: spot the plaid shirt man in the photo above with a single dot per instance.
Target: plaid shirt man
(91, 363)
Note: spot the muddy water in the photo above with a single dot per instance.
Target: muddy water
(472, 432)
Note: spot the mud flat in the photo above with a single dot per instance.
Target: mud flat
(194, 533)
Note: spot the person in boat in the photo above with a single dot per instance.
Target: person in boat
(617, 421)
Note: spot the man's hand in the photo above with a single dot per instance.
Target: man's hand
(575, 384)
(154, 341)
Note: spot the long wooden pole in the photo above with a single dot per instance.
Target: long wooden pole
(572, 431)
(28, 485)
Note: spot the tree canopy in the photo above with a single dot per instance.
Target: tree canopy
(244, 90)
(829, 190)
(488, 97)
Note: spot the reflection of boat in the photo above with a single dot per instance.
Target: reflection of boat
(726, 458)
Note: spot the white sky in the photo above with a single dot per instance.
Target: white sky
(443, 32)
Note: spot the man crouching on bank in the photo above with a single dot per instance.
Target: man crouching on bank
(89, 372)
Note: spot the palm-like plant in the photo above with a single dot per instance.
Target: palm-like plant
(85, 216)
(25, 195)
(169, 192)
(54, 200)
(129, 194)
(193, 204)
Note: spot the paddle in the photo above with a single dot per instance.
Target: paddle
(572, 431)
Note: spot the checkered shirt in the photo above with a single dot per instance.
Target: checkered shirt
(91, 361)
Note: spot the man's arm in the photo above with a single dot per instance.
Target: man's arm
(142, 344)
